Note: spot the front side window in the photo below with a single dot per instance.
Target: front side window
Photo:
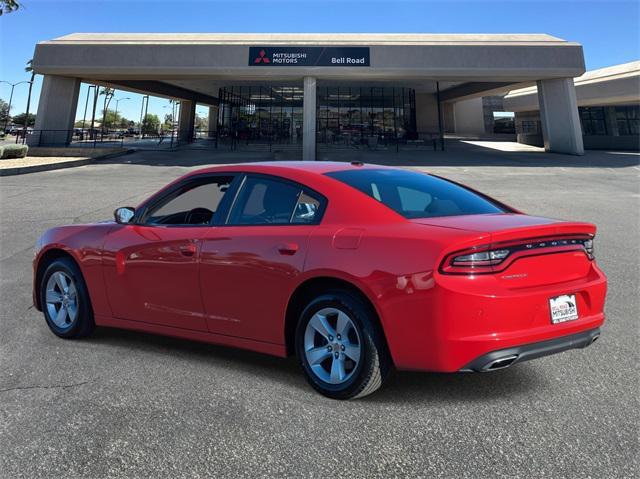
(195, 203)
(417, 195)
(264, 201)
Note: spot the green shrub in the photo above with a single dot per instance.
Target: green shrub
(14, 151)
(1, 151)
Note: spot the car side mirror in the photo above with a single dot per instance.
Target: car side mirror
(124, 214)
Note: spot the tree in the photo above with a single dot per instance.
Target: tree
(111, 119)
(168, 122)
(20, 119)
(108, 95)
(150, 124)
(107, 92)
(114, 120)
(4, 111)
(124, 123)
(202, 123)
(8, 6)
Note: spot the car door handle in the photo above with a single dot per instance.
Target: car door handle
(188, 249)
(288, 249)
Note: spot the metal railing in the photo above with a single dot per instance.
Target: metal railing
(225, 140)
(416, 141)
(234, 140)
(78, 138)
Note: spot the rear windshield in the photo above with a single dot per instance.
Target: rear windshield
(416, 195)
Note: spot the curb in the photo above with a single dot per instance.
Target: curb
(21, 170)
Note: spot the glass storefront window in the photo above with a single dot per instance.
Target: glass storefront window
(628, 120)
(266, 114)
(529, 127)
(348, 116)
(592, 120)
(355, 116)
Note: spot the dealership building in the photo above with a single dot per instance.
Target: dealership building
(318, 89)
(608, 106)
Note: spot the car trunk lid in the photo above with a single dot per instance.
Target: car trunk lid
(543, 251)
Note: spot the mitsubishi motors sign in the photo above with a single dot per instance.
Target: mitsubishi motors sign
(309, 56)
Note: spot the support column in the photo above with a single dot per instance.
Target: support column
(309, 120)
(213, 121)
(559, 116)
(186, 121)
(449, 117)
(56, 111)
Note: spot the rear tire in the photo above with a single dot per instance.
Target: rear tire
(340, 346)
(65, 300)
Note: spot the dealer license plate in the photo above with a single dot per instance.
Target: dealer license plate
(563, 308)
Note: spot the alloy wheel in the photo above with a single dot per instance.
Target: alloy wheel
(62, 299)
(332, 345)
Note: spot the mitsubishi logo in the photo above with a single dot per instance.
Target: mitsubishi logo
(262, 58)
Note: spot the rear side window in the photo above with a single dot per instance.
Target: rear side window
(265, 201)
(416, 195)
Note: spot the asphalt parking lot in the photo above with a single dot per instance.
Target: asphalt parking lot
(125, 404)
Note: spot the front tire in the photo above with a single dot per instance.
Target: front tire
(340, 346)
(65, 300)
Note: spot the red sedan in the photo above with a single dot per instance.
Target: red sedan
(353, 268)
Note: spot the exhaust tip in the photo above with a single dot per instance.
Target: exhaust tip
(500, 363)
(594, 339)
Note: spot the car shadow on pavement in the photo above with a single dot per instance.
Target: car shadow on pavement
(438, 388)
(402, 387)
(284, 370)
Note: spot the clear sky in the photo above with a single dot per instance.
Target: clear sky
(608, 30)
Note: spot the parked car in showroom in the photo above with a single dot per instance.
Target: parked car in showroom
(355, 269)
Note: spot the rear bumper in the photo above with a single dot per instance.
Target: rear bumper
(445, 324)
(503, 358)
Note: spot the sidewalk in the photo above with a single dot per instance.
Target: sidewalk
(59, 159)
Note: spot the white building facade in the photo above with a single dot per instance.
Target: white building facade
(316, 89)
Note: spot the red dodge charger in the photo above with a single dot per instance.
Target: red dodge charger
(353, 268)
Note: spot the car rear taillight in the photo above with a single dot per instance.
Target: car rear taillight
(484, 258)
(588, 247)
(496, 257)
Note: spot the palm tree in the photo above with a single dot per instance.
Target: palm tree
(8, 6)
(29, 69)
(108, 95)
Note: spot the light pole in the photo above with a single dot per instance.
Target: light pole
(145, 101)
(86, 104)
(29, 69)
(118, 100)
(174, 112)
(172, 104)
(92, 134)
(13, 85)
(176, 105)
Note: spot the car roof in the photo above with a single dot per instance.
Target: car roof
(284, 167)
